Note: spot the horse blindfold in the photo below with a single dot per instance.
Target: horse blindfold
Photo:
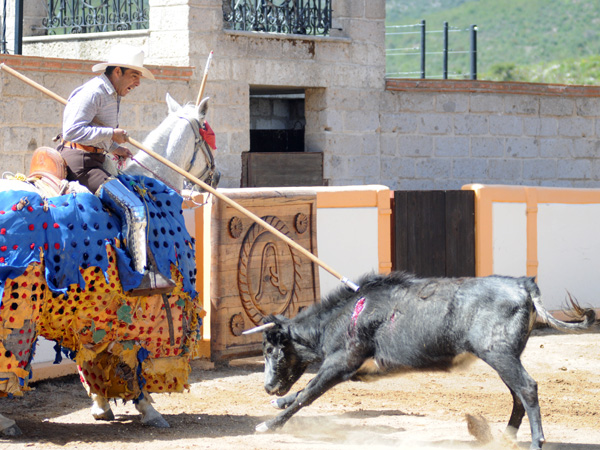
(208, 135)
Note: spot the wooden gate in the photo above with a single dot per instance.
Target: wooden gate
(434, 233)
(278, 169)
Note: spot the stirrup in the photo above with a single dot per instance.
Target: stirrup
(153, 283)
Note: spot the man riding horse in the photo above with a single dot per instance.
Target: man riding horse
(90, 130)
(64, 250)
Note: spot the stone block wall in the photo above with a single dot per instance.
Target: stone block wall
(445, 134)
(405, 134)
(345, 73)
(331, 70)
(338, 70)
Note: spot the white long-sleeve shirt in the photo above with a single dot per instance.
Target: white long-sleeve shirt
(96, 99)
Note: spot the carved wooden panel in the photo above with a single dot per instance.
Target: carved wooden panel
(254, 273)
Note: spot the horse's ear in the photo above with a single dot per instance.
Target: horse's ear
(172, 104)
(203, 107)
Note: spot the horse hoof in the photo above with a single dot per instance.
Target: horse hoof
(13, 430)
(262, 428)
(104, 415)
(157, 422)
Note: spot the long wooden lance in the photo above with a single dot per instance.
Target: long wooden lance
(204, 78)
(200, 183)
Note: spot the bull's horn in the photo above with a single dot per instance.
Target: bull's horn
(259, 328)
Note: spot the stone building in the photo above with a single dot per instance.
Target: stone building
(326, 96)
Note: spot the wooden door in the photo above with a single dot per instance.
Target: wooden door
(434, 233)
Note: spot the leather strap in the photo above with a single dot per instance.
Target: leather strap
(87, 148)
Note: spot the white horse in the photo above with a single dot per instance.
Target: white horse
(171, 140)
(178, 140)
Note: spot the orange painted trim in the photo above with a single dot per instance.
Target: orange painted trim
(365, 197)
(487, 195)
(384, 238)
(347, 199)
(531, 233)
(202, 221)
(484, 262)
(203, 263)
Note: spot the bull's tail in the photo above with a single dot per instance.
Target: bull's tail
(584, 318)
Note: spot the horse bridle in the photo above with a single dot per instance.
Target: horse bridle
(209, 174)
(209, 171)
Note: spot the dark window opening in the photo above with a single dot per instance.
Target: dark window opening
(276, 121)
(277, 155)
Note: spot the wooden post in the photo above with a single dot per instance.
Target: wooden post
(204, 77)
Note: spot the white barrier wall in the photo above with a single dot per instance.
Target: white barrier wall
(352, 250)
(353, 232)
(569, 253)
(509, 225)
(549, 233)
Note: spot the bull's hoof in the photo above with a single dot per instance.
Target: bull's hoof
(511, 432)
(262, 428)
(479, 428)
(156, 422)
(278, 403)
(11, 431)
(107, 415)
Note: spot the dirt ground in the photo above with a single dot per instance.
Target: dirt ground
(416, 411)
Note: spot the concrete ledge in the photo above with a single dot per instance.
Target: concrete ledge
(44, 370)
(491, 87)
(85, 36)
(60, 65)
(285, 36)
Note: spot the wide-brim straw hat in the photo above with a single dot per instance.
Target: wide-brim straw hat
(127, 56)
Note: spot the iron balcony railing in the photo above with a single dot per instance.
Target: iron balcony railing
(92, 16)
(310, 17)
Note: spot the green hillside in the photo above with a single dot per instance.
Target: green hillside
(550, 41)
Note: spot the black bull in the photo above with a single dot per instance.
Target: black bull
(399, 322)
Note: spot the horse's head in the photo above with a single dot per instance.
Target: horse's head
(200, 163)
(178, 138)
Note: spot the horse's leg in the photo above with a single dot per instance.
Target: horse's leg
(18, 332)
(150, 416)
(8, 427)
(101, 408)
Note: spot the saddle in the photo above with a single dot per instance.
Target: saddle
(48, 171)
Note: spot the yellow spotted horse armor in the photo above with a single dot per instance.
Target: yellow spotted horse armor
(64, 273)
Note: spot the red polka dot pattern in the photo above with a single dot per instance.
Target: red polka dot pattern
(106, 327)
